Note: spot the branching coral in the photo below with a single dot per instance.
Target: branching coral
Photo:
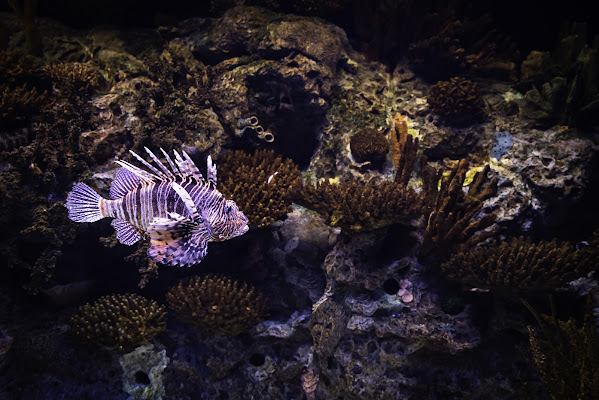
(259, 182)
(75, 76)
(120, 320)
(518, 264)
(17, 103)
(404, 148)
(450, 211)
(458, 100)
(566, 356)
(359, 207)
(369, 145)
(214, 304)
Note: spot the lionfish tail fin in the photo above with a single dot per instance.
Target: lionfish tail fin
(83, 204)
(177, 240)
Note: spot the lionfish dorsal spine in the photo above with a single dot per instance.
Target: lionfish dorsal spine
(145, 176)
(170, 162)
(183, 167)
(149, 166)
(211, 171)
(167, 172)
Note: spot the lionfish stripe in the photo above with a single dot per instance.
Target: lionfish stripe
(84, 204)
(124, 182)
(186, 200)
(125, 232)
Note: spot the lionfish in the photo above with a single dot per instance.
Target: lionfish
(176, 208)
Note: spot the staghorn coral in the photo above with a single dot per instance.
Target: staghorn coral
(566, 355)
(458, 100)
(369, 145)
(121, 320)
(360, 207)
(450, 212)
(518, 264)
(404, 148)
(215, 304)
(260, 183)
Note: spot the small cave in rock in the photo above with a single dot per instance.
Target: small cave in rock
(257, 359)
(142, 378)
(391, 286)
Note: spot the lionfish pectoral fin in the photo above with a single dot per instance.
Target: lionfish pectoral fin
(177, 240)
(126, 233)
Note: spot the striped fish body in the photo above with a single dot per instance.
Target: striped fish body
(176, 208)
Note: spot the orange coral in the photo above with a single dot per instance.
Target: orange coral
(404, 148)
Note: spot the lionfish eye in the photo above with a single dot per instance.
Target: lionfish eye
(228, 209)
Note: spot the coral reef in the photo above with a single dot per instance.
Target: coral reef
(369, 145)
(458, 100)
(361, 207)
(123, 321)
(566, 355)
(213, 304)
(518, 264)
(259, 182)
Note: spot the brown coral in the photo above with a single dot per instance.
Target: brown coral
(404, 148)
(458, 100)
(566, 355)
(259, 183)
(518, 264)
(451, 224)
(215, 304)
(120, 320)
(18, 103)
(76, 76)
(360, 207)
(369, 145)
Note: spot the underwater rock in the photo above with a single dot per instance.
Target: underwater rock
(547, 169)
(289, 83)
(142, 372)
